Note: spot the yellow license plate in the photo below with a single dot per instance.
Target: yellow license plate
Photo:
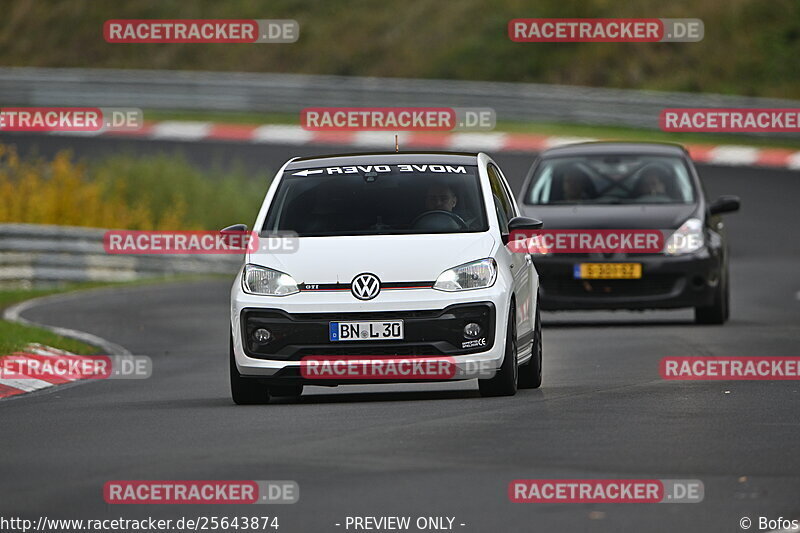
(608, 271)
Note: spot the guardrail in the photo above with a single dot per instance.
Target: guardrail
(289, 93)
(43, 254)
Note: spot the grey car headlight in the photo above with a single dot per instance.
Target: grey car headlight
(267, 282)
(475, 275)
(686, 239)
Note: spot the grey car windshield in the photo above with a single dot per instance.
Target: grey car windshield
(611, 179)
(378, 199)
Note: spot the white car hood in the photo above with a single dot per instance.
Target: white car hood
(392, 258)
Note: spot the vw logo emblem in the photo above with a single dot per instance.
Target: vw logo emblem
(365, 286)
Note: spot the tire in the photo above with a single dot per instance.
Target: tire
(727, 299)
(504, 382)
(719, 310)
(245, 391)
(286, 391)
(530, 374)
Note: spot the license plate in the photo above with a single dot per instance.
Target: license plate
(608, 271)
(366, 331)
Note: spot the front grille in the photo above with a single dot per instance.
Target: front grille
(652, 285)
(420, 350)
(390, 315)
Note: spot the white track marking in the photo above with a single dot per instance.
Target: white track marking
(281, 134)
(793, 161)
(27, 384)
(181, 130)
(733, 155)
(380, 139)
(12, 314)
(484, 142)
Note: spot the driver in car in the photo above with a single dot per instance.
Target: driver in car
(439, 214)
(576, 185)
(440, 198)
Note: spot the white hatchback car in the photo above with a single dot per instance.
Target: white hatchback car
(398, 255)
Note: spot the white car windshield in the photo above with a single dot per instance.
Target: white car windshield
(378, 199)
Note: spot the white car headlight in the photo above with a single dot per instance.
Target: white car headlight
(267, 282)
(474, 275)
(686, 239)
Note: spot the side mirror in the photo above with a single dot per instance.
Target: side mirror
(231, 235)
(724, 204)
(521, 223)
(235, 228)
(524, 223)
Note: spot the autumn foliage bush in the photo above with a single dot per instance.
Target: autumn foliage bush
(124, 192)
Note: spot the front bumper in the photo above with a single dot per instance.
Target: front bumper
(667, 282)
(426, 332)
(432, 320)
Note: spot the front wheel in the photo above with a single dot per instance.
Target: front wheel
(719, 310)
(504, 383)
(530, 374)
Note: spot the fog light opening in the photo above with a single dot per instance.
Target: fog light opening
(262, 335)
(472, 331)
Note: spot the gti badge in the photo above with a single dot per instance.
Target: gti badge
(365, 286)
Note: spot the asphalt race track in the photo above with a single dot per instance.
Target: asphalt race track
(438, 449)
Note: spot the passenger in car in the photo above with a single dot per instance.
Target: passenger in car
(653, 181)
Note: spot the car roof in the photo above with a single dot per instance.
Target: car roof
(391, 158)
(615, 147)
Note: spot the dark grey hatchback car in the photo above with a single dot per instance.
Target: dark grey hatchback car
(635, 186)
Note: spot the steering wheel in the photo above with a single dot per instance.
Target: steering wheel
(433, 220)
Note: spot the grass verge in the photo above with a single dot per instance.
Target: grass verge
(15, 337)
